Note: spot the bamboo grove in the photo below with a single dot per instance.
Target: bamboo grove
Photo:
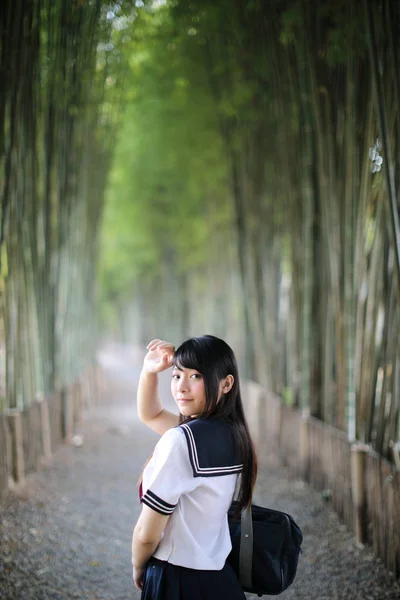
(55, 142)
(254, 189)
(250, 187)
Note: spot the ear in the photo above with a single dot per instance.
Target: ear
(227, 384)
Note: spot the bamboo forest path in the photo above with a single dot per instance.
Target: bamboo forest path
(67, 533)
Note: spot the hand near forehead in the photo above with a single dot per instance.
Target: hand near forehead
(159, 357)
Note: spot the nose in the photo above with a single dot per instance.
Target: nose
(182, 384)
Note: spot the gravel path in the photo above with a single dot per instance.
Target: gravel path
(67, 533)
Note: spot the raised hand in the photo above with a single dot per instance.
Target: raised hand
(159, 357)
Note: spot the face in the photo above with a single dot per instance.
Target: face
(187, 387)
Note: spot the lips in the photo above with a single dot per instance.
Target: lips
(185, 400)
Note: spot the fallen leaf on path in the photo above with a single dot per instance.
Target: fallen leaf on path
(94, 563)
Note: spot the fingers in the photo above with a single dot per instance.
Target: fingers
(139, 583)
(160, 345)
(138, 578)
(153, 342)
(167, 358)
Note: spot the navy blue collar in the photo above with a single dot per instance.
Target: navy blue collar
(212, 447)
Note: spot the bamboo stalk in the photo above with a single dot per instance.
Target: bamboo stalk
(391, 196)
(349, 267)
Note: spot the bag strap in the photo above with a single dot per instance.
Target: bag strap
(246, 548)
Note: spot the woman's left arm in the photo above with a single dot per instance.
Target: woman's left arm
(146, 537)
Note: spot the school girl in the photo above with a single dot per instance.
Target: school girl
(204, 458)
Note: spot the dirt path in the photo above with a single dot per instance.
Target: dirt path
(67, 533)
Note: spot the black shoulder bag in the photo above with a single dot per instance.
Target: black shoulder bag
(265, 549)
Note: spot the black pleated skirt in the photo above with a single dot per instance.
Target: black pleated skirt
(164, 581)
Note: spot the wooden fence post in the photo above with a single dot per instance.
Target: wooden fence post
(87, 399)
(45, 426)
(252, 395)
(262, 433)
(304, 446)
(67, 414)
(5, 453)
(94, 384)
(17, 447)
(101, 384)
(278, 433)
(358, 455)
(78, 405)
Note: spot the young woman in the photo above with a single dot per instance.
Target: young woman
(181, 540)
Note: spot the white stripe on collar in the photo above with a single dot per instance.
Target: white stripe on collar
(199, 471)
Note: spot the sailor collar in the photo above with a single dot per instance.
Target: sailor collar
(211, 447)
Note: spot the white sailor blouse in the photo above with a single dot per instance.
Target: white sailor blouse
(192, 476)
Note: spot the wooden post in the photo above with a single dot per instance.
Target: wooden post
(45, 427)
(262, 434)
(252, 394)
(87, 400)
(272, 412)
(395, 447)
(67, 414)
(358, 454)
(279, 424)
(78, 405)
(101, 383)
(304, 445)
(17, 446)
(7, 450)
(94, 384)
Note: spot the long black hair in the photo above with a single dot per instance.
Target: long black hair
(215, 360)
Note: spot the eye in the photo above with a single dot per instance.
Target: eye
(175, 376)
(196, 376)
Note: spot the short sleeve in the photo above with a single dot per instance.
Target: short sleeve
(168, 474)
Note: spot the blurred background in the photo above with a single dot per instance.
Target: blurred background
(174, 168)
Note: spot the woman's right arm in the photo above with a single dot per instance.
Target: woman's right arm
(149, 406)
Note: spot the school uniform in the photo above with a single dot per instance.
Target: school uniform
(192, 477)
